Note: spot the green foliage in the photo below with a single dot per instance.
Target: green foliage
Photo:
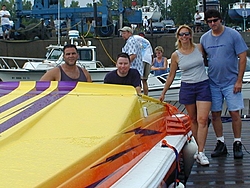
(9, 6)
(89, 5)
(182, 12)
(62, 3)
(27, 5)
(74, 4)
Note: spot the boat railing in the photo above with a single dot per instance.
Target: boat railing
(90, 64)
(150, 99)
(99, 64)
(239, 5)
(16, 62)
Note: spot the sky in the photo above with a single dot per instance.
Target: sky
(81, 2)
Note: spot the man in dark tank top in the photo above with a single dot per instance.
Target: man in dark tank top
(68, 71)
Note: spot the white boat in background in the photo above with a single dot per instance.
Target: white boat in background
(210, 4)
(156, 85)
(239, 10)
(34, 68)
(152, 12)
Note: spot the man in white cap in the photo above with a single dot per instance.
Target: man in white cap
(147, 59)
(132, 48)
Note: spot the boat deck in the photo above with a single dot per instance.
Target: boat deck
(224, 171)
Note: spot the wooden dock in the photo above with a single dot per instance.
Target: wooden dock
(223, 172)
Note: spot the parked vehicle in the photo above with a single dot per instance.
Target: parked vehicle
(157, 27)
(169, 26)
(237, 28)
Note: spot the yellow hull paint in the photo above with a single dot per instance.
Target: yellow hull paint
(85, 136)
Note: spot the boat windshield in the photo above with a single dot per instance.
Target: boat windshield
(85, 54)
(54, 54)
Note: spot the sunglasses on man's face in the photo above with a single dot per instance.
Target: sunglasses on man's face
(185, 33)
(213, 20)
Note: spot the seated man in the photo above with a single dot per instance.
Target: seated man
(124, 75)
(68, 71)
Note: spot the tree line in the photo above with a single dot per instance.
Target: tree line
(181, 11)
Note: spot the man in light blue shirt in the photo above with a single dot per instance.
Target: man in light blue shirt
(225, 51)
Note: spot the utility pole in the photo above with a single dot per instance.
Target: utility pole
(204, 6)
(166, 16)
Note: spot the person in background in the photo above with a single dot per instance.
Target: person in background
(68, 71)
(194, 90)
(124, 75)
(145, 23)
(147, 58)
(5, 22)
(225, 51)
(197, 21)
(160, 63)
(132, 48)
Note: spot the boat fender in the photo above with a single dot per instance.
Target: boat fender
(145, 111)
(189, 150)
(162, 184)
(176, 185)
(164, 144)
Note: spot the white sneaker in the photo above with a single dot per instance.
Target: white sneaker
(202, 159)
(195, 155)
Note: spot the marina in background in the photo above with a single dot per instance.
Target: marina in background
(240, 11)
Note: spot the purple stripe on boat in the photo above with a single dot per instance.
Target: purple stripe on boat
(66, 85)
(39, 88)
(7, 87)
(38, 105)
(42, 86)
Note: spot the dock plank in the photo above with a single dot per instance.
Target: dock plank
(224, 171)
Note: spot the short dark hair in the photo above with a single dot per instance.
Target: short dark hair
(212, 13)
(69, 46)
(125, 55)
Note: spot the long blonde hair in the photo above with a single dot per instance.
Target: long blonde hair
(178, 43)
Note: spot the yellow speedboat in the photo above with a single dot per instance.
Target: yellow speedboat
(68, 134)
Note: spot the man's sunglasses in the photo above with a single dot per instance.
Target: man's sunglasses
(185, 33)
(214, 20)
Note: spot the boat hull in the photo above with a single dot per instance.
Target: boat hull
(20, 75)
(97, 75)
(155, 15)
(239, 10)
(156, 85)
(239, 14)
(69, 134)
